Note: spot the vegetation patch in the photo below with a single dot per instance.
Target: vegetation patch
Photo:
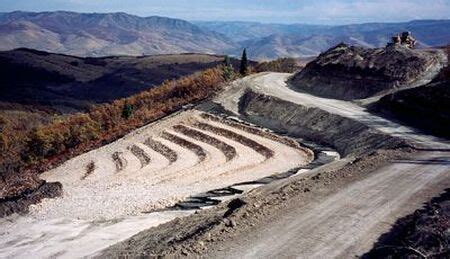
(144, 159)
(120, 162)
(253, 130)
(162, 149)
(198, 150)
(227, 150)
(266, 152)
(90, 168)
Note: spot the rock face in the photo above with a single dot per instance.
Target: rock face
(349, 72)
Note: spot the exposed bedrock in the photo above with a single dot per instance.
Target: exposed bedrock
(349, 72)
(347, 136)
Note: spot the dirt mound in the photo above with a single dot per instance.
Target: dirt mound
(349, 72)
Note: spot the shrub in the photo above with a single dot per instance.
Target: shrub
(127, 111)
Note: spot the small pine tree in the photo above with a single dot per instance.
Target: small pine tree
(227, 61)
(228, 71)
(127, 111)
(244, 63)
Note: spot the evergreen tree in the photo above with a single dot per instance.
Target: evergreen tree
(228, 71)
(127, 111)
(244, 63)
(227, 61)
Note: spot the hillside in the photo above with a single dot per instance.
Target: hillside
(67, 83)
(97, 34)
(350, 72)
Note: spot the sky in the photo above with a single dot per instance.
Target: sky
(267, 11)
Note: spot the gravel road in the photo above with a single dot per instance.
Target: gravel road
(348, 222)
(274, 84)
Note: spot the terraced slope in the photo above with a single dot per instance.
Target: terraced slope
(165, 162)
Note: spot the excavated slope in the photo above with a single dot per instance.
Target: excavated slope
(348, 136)
(349, 72)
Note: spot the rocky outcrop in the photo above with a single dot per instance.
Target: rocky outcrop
(349, 72)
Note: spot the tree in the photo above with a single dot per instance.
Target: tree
(228, 71)
(244, 63)
(227, 61)
(127, 111)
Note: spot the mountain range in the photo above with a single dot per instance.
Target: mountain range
(268, 41)
(107, 34)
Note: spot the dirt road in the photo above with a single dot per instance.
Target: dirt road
(274, 84)
(350, 221)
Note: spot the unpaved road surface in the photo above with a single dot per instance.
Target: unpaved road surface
(350, 221)
(274, 84)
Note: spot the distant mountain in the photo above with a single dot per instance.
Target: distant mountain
(106, 34)
(268, 41)
(244, 31)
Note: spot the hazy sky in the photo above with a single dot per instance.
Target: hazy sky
(280, 11)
